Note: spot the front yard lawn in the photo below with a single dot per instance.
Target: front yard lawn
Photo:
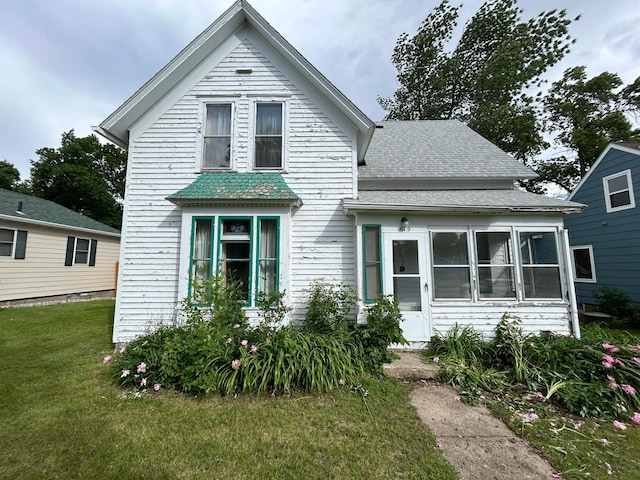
(62, 417)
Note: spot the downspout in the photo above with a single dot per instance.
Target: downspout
(573, 305)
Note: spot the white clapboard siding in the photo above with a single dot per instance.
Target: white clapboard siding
(165, 158)
(43, 273)
(535, 318)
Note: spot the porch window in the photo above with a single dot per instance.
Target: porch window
(495, 265)
(618, 191)
(232, 244)
(371, 235)
(540, 265)
(451, 267)
(217, 136)
(268, 135)
(583, 264)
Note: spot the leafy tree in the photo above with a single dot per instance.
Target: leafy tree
(484, 81)
(9, 175)
(83, 175)
(586, 114)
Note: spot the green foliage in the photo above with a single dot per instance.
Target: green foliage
(382, 329)
(616, 303)
(9, 175)
(273, 310)
(587, 114)
(485, 79)
(330, 308)
(82, 175)
(589, 377)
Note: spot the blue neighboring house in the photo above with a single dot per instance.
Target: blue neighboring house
(605, 237)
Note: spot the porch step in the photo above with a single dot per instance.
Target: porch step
(410, 366)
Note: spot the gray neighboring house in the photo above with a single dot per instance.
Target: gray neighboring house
(48, 252)
(245, 161)
(605, 237)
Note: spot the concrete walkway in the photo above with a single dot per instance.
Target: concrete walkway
(478, 445)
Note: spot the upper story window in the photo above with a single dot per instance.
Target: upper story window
(268, 135)
(217, 136)
(13, 243)
(618, 191)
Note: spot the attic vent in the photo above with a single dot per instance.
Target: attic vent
(244, 71)
(379, 126)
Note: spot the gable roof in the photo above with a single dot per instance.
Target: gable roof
(233, 187)
(116, 126)
(436, 149)
(627, 147)
(29, 209)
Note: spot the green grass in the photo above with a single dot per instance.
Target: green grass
(61, 417)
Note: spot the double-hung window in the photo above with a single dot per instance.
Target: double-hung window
(217, 136)
(243, 249)
(495, 265)
(13, 243)
(618, 191)
(268, 135)
(81, 251)
(540, 265)
(451, 266)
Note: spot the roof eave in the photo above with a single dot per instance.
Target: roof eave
(356, 207)
(208, 202)
(57, 225)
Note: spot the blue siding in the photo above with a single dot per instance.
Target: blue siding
(615, 236)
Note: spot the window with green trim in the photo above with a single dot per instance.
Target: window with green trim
(241, 249)
(371, 237)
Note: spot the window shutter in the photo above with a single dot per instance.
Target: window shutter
(21, 245)
(92, 252)
(71, 242)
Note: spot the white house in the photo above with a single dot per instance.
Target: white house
(244, 159)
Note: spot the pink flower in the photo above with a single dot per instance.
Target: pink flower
(125, 373)
(636, 359)
(436, 359)
(619, 362)
(143, 382)
(244, 343)
(635, 348)
(106, 359)
(142, 368)
(619, 425)
(577, 425)
(612, 382)
(237, 325)
(604, 441)
(606, 346)
(635, 418)
(555, 475)
(457, 398)
(341, 381)
(628, 389)
(229, 340)
(538, 395)
(528, 417)
(235, 364)
(607, 361)
(609, 471)
(254, 349)
(156, 386)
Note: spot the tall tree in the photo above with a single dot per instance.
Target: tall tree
(484, 81)
(586, 115)
(83, 175)
(9, 175)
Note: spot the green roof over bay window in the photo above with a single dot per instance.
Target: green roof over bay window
(236, 187)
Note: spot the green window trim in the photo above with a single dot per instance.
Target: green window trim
(259, 258)
(212, 242)
(367, 262)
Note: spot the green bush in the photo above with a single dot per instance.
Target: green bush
(330, 308)
(381, 330)
(612, 301)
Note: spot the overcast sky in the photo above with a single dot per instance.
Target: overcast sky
(67, 64)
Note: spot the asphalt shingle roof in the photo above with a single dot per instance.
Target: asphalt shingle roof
(461, 199)
(236, 186)
(41, 210)
(436, 149)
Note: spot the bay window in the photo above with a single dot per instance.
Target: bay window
(242, 249)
